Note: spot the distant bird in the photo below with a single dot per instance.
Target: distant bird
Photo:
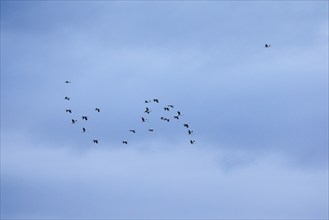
(190, 132)
(192, 141)
(83, 130)
(68, 110)
(84, 118)
(74, 121)
(171, 106)
(125, 142)
(156, 100)
(97, 110)
(176, 117)
(186, 125)
(267, 45)
(143, 119)
(132, 130)
(67, 81)
(151, 129)
(147, 101)
(166, 108)
(179, 113)
(165, 119)
(95, 141)
(147, 110)
(67, 98)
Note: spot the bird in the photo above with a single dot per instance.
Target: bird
(176, 117)
(132, 130)
(267, 45)
(74, 121)
(67, 81)
(165, 119)
(147, 110)
(83, 130)
(192, 141)
(179, 113)
(97, 110)
(190, 132)
(68, 110)
(143, 119)
(171, 106)
(125, 142)
(147, 101)
(151, 129)
(186, 125)
(156, 100)
(84, 118)
(166, 108)
(95, 141)
(67, 98)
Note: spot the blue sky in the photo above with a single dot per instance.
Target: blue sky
(260, 115)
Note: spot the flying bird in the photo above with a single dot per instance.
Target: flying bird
(147, 101)
(67, 81)
(166, 108)
(192, 141)
(95, 141)
(67, 98)
(179, 113)
(125, 142)
(74, 121)
(171, 106)
(156, 100)
(151, 129)
(84, 118)
(68, 110)
(143, 119)
(267, 45)
(97, 110)
(83, 130)
(176, 117)
(190, 132)
(186, 125)
(147, 110)
(132, 130)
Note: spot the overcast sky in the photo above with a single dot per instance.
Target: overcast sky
(259, 115)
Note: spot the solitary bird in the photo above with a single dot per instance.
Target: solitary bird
(156, 100)
(95, 141)
(125, 142)
(190, 132)
(69, 110)
(67, 98)
(84, 118)
(74, 121)
(83, 130)
(166, 108)
(186, 125)
(132, 130)
(97, 110)
(67, 81)
(143, 119)
(192, 141)
(151, 129)
(267, 45)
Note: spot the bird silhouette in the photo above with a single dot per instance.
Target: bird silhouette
(97, 110)
(84, 118)
(267, 45)
(156, 100)
(192, 141)
(67, 98)
(190, 132)
(143, 119)
(132, 130)
(68, 110)
(186, 125)
(166, 108)
(125, 142)
(147, 110)
(74, 121)
(95, 141)
(171, 106)
(176, 117)
(67, 81)
(147, 101)
(83, 130)
(179, 113)
(151, 129)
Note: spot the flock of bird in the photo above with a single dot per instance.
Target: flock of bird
(144, 118)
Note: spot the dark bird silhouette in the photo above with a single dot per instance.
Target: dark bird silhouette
(186, 125)
(69, 110)
(147, 101)
(171, 106)
(97, 110)
(190, 132)
(165, 119)
(67, 98)
(147, 110)
(179, 113)
(67, 81)
(83, 130)
(74, 121)
(156, 100)
(151, 129)
(84, 118)
(125, 142)
(192, 141)
(267, 45)
(143, 119)
(176, 117)
(166, 108)
(95, 141)
(132, 130)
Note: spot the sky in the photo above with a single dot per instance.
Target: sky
(259, 115)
